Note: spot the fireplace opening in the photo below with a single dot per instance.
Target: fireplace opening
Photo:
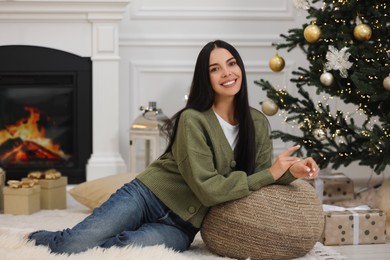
(45, 112)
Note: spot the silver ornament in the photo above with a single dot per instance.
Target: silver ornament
(269, 107)
(319, 134)
(327, 79)
(386, 83)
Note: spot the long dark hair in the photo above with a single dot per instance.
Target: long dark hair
(201, 98)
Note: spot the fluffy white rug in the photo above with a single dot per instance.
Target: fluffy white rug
(14, 247)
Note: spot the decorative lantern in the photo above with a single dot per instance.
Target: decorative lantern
(146, 142)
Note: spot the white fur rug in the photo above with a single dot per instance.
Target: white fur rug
(14, 247)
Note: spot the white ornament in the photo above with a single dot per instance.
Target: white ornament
(269, 107)
(386, 83)
(338, 60)
(301, 4)
(319, 134)
(327, 79)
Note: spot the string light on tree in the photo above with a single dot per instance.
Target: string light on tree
(312, 33)
(276, 63)
(269, 107)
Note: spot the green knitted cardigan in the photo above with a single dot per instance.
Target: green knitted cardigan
(199, 171)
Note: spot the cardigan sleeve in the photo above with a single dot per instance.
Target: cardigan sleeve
(262, 176)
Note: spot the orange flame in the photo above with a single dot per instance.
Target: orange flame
(27, 129)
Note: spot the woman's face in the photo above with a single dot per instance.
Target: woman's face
(225, 74)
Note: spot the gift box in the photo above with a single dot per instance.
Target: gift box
(22, 201)
(53, 192)
(333, 187)
(351, 227)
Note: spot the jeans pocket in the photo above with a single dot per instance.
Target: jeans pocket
(164, 218)
(171, 219)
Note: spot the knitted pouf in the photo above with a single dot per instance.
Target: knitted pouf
(275, 222)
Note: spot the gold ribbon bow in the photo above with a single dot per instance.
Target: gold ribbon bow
(50, 174)
(21, 184)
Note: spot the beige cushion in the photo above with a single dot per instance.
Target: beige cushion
(93, 193)
(275, 222)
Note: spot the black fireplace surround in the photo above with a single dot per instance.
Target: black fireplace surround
(52, 91)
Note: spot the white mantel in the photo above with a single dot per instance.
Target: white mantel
(88, 28)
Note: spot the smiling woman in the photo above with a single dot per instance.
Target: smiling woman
(219, 150)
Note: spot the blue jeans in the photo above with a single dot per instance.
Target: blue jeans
(131, 216)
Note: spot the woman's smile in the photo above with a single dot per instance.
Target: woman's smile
(229, 83)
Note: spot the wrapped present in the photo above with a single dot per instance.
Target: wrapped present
(53, 188)
(2, 184)
(333, 187)
(21, 198)
(352, 226)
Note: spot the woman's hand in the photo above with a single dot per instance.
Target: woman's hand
(305, 168)
(283, 162)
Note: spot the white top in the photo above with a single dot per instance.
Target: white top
(231, 131)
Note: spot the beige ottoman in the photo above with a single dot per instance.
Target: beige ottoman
(275, 222)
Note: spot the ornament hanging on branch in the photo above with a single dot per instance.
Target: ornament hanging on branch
(386, 83)
(301, 4)
(276, 63)
(327, 79)
(269, 107)
(319, 134)
(338, 60)
(362, 31)
(312, 33)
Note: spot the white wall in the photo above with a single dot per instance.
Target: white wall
(159, 42)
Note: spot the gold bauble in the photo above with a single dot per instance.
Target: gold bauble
(362, 32)
(312, 33)
(269, 107)
(276, 63)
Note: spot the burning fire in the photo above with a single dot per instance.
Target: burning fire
(30, 136)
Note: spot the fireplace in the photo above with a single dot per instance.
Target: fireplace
(45, 111)
(84, 28)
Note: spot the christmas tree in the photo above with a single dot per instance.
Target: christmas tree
(347, 47)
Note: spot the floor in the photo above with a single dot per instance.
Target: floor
(354, 252)
(365, 252)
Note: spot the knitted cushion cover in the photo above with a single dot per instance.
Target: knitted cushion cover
(275, 222)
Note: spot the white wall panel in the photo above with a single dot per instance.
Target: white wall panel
(167, 84)
(80, 33)
(180, 39)
(214, 10)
